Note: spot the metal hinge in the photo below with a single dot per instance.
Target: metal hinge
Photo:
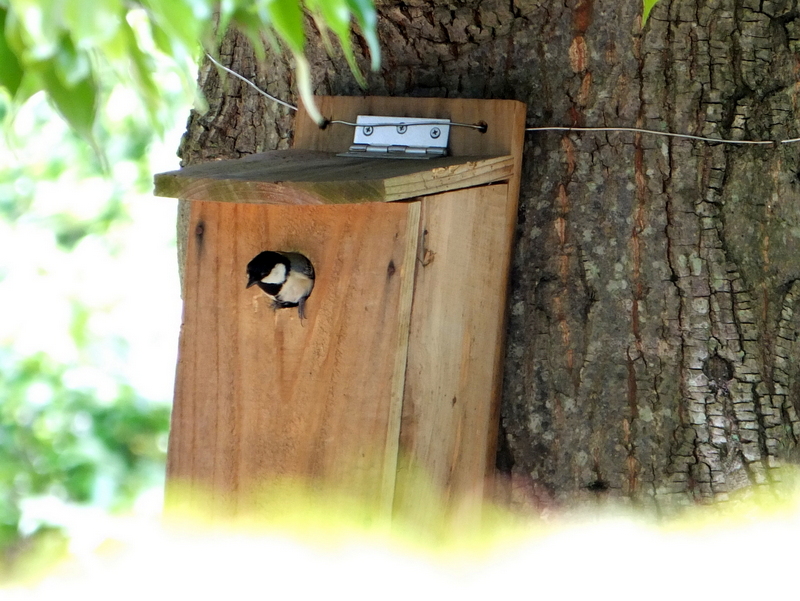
(399, 138)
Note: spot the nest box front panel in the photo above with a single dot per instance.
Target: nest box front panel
(262, 394)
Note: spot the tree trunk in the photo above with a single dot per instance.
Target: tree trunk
(652, 334)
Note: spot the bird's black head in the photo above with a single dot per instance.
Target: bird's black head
(269, 270)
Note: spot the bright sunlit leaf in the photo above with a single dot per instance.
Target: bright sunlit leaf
(90, 22)
(367, 19)
(336, 15)
(286, 17)
(304, 84)
(648, 6)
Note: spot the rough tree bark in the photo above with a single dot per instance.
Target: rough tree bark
(652, 336)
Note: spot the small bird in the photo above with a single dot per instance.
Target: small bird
(287, 278)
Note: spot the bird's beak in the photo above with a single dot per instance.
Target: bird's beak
(253, 280)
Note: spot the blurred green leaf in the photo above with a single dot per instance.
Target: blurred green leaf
(306, 92)
(161, 38)
(33, 29)
(60, 446)
(79, 481)
(142, 65)
(286, 17)
(70, 230)
(367, 19)
(11, 71)
(336, 15)
(181, 21)
(67, 47)
(77, 102)
(252, 26)
(15, 196)
(91, 22)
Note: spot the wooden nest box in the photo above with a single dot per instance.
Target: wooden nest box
(397, 367)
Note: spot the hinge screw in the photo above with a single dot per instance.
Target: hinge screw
(401, 129)
(436, 132)
(368, 130)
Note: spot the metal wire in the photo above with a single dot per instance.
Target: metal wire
(333, 121)
(452, 124)
(483, 127)
(251, 84)
(668, 134)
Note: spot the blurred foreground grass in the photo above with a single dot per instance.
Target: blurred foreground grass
(304, 546)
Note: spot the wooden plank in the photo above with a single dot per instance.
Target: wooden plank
(394, 418)
(295, 177)
(260, 395)
(317, 176)
(454, 369)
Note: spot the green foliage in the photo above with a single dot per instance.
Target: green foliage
(286, 19)
(50, 432)
(648, 6)
(11, 73)
(57, 439)
(72, 425)
(65, 47)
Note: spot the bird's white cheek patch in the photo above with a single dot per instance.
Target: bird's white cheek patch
(276, 276)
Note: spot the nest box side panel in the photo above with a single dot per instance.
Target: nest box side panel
(261, 395)
(454, 370)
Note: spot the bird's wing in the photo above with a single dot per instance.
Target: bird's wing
(300, 264)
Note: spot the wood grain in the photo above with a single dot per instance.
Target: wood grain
(260, 395)
(455, 348)
(400, 359)
(295, 177)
